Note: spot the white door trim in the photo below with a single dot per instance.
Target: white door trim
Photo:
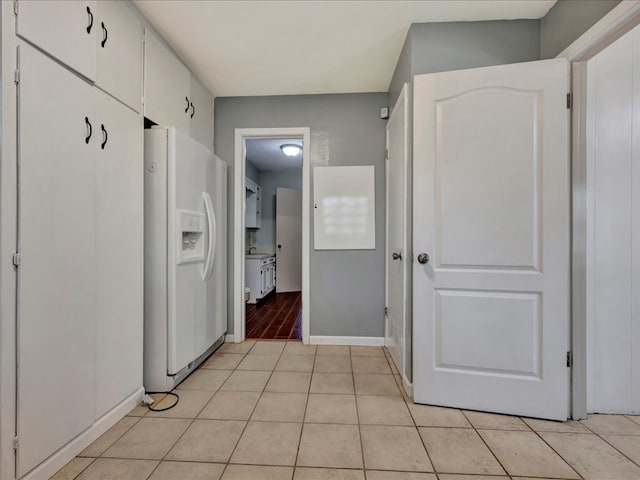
(241, 135)
(622, 18)
(606, 30)
(403, 98)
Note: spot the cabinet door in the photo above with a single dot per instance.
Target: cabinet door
(56, 304)
(119, 47)
(166, 85)
(119, 253)
(201, 114)
(63, 29)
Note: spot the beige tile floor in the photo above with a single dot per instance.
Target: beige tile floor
(286, 411)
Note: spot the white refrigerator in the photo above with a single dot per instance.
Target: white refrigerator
(185, 227)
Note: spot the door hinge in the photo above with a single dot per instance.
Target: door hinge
(15, 7)
(569, 101)
(386, 311)
(16, 443)
(16, 259)
(16, 76)
(386, 154)
(569, 359)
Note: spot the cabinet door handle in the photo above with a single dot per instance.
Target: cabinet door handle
(105, 136)
(89, 129)
(188, 104)
(105, 34)
(193, 109)
(90, 26)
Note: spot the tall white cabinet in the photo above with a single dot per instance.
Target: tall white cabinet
(80, 223)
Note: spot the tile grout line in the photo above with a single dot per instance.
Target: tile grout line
(304, 416)
(235, 447)
(355, 399)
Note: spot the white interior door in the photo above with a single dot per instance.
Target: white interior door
(56, 305)
(397, 277)
(613, 227)
(491, 211)
(288, 240)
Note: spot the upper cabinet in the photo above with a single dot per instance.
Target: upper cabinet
(63, 29)
(201, 115)
(102, 41)
(167, 85)
(173, 96)
(119, 47)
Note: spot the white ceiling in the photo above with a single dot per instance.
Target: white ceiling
(266, 155)
(286, 47)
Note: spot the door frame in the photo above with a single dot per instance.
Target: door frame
(403, 97)
(239, 248)
(621, 19)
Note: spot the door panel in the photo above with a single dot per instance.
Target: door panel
(397, 236)
(491, 209)
(56, 306)
(289, 239)
(188, 168)
(119, 57)
(166, 85)
(613, 227)
(119, 269)
(65, 29)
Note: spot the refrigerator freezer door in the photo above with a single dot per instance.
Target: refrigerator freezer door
(189, 163)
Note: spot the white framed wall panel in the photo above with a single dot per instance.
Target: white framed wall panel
(344, 208)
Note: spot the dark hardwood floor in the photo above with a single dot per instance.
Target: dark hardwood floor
(278, 316)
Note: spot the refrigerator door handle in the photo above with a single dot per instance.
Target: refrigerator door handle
(212, 231)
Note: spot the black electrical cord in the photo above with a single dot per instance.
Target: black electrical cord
(163, 393)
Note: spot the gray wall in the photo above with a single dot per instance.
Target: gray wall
(347, 287)
(567, 20)
(440, 47)
(269, 182)
(252, 172)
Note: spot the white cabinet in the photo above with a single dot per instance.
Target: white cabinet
(119, 253)
(260, 275)
(167, 85)
(58, 133)
(64, 29)
(80, 278)
(252, 202)
(100, 40)
(201, 113)
(119, 47)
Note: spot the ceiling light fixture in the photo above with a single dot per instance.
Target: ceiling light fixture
(291, 150)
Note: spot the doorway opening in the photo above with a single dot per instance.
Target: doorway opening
(271, 274)
(273, 238)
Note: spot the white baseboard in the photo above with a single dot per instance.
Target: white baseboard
(67, 453)
(356, 341)
(408, 386)
(229, 337)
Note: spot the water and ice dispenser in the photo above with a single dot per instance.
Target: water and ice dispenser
(191, 228)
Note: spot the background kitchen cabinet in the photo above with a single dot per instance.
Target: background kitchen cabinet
(253, 200)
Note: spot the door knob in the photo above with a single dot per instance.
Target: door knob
(396, 256)
(423, 258)
(279, 246)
